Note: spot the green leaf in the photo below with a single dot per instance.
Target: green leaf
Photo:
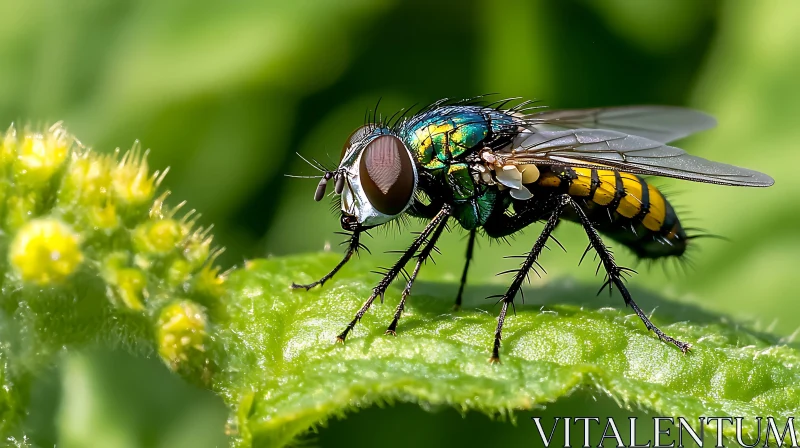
(282, 372)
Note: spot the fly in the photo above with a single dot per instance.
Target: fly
(496, 170)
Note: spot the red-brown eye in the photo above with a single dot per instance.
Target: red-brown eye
(355, 136)
(387, 174)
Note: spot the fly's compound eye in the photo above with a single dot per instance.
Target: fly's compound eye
(387, 174)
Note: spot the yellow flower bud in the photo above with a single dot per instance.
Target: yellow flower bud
(210, 282)
(198, 247)
(182, 333)
(130, 285)
(126, 285)
(131, 182)
(40, 155)
(159, 238)
(103, 217)
(45, 251)
(87, 180)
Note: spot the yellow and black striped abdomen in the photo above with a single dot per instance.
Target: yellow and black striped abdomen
(624, 207)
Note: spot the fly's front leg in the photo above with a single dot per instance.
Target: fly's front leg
(470, 249)
(614, 276)
(352, 247)
(556, 208)
(421, 258)
(380, 289)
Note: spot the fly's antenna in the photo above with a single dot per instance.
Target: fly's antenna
(293, 176)
(316, 165)
(322, 186)
(327, 175)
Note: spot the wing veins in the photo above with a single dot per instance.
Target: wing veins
(638, 155)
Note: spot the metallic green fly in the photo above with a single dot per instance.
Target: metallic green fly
(497, 169)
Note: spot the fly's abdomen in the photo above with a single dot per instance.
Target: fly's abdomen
(624, 207)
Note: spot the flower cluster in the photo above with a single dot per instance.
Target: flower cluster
(69, 212)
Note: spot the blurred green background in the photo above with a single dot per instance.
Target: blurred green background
(226, 92)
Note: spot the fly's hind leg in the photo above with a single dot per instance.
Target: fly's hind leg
(614, 276)
(380, 289)
(470, 249)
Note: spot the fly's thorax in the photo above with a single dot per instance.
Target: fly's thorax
(380, 178)
(439, 137)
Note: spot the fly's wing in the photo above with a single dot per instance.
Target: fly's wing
(658, 123)
(618, 151)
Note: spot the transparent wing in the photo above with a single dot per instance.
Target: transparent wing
(613, 150)
(658, 123)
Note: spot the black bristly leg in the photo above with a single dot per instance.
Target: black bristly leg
(614, 277)
(470, 249)
(556, 208)
(421, 258)
(500, 224)
(352, 247)
(387, 279)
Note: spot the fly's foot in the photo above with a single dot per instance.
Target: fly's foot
(306, 287)
(457, 305)
(392, 329)
(343, 335)
(684, 346)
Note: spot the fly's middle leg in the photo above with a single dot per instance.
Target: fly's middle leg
(470, 249)
(380, 288)
(508, 298)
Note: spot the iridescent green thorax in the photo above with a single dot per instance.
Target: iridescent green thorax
(441, 136)
(441, 139)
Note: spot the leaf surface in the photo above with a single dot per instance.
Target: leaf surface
(283, 372)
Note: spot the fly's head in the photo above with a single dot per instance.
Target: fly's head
(376, 178)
